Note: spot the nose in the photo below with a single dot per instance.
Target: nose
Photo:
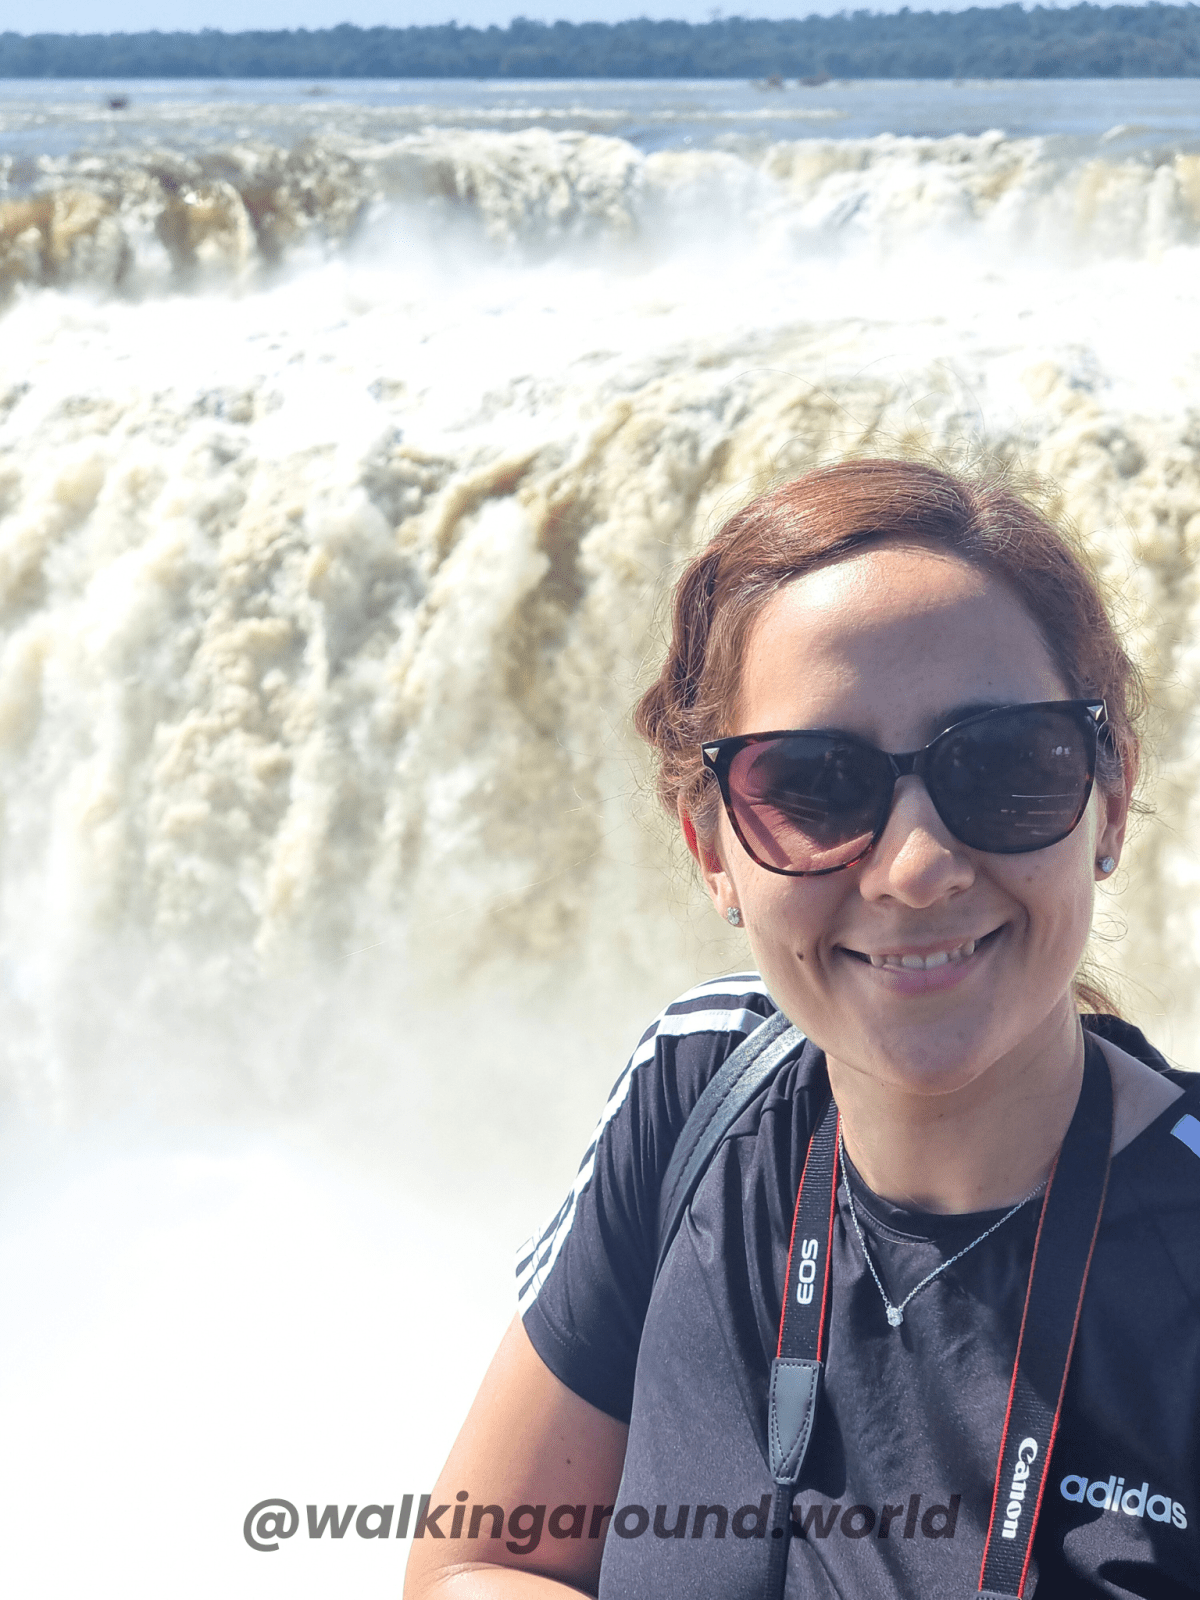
(916, 860)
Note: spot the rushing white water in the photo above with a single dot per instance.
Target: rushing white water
(339, 488)
(144, 220)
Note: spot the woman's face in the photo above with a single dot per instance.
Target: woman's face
(891, 645)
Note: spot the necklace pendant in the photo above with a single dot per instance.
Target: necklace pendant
(895, 1316)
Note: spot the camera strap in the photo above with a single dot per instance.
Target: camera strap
(1062, 1255)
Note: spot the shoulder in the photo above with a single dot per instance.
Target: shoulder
(688, 1041)
(646, 1108)
(734, 1003)
(584, 1280)
(682, 1050)
(674, 1060)
(1154, 1194)
(1141, 1093)
(1165, 1153)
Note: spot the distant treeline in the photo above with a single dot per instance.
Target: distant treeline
(1084, 41)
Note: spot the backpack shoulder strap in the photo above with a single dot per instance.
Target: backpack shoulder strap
(731, 1089)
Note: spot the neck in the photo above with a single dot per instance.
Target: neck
(978, 1147)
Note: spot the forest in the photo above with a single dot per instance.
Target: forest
(1007, 41)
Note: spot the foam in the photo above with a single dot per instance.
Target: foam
(139, 221)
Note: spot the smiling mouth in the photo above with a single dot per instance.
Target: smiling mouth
(929, 961)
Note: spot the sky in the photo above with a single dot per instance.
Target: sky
(132, 16)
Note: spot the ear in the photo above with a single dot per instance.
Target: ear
(721, 890)
(1114, 818)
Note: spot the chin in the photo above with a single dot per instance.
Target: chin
(934, 1060)
(930, 1077)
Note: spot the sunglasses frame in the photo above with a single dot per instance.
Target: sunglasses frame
(718, 755)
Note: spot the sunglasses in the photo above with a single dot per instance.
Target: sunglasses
(1008, 781)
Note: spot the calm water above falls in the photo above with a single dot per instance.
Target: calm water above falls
(57, 117)
(346, 443)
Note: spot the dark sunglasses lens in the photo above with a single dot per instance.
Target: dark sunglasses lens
(1014, 781)
(808, 803)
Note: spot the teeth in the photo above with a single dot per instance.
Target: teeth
(939, 958)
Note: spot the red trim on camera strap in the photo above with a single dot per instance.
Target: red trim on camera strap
(807, 1331)
(1062, 1258)
(795, 1387)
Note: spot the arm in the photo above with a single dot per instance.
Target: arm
(527, 1440)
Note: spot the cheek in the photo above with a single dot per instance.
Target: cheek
(787, 919)
(1058, 898)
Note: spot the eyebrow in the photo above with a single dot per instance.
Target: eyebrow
(973, 708)
(939, 722)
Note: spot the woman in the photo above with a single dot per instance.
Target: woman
(940, 1358)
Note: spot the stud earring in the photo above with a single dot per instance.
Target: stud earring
(1106, 864)
(733, 917)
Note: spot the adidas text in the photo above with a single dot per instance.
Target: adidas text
(1110, 1494)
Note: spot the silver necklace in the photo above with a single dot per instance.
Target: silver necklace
(895, 1314)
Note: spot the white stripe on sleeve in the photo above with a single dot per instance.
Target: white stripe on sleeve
(537, 1254)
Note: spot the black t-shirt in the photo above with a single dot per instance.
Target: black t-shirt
(896, 1490)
